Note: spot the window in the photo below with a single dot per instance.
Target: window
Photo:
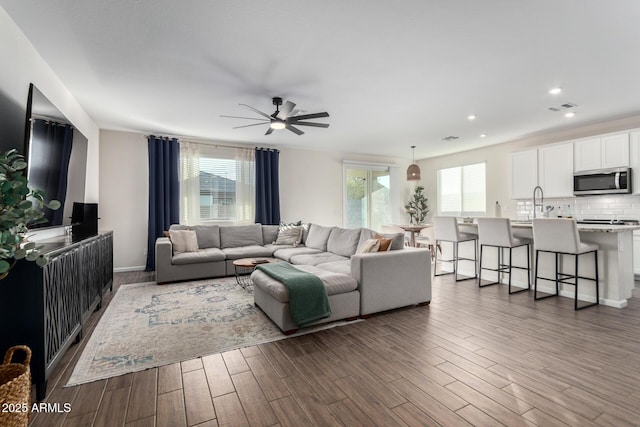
(462, 190)
(217, 184)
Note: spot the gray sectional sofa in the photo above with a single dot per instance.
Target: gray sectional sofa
(358, 284)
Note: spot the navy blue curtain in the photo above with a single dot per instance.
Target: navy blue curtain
(267, 187)
(164, 191)
(49, 172)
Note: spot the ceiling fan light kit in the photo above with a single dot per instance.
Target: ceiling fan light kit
(282, 119)
(413, 171)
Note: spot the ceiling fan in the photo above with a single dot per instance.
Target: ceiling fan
(283, 119)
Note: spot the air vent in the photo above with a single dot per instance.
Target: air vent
(565, 106)
(450, 138)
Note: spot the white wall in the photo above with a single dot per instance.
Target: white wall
(21, 65)
(498, 162)
(124, 196)
(310, 190)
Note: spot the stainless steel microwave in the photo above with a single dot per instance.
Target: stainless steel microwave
(602, 181)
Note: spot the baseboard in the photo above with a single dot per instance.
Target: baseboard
(126, 269)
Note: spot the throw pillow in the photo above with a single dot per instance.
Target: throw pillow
(166, 234)
(183, 241)
(289, 236)
(385, 244)
(370, 245)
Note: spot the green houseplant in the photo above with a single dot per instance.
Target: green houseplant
(417, 207)
(20, 207)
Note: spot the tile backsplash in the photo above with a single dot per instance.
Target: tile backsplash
(592, 207)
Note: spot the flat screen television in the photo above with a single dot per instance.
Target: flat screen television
(56, 155)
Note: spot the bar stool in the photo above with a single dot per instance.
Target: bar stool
(445, 229)
(560, 237)
(496, 232)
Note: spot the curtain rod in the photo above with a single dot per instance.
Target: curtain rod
(212, 144)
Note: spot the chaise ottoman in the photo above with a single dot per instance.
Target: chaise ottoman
(272, 297)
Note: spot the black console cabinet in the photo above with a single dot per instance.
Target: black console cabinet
(45, 308)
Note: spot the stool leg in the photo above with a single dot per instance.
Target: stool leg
(528, 266)
(510, 267)
(557, 275)
(575, 302)
(455, 261)
(475, 258)
(480, 272)
(435, 262)
(597, 279)
(535, 280)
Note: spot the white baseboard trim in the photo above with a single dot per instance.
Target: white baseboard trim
(126, 269)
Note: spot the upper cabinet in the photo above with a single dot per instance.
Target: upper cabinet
(609, 151)
(555, 169)
(634, 161)
(524, 173)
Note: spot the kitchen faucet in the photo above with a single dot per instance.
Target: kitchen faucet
(541, 204)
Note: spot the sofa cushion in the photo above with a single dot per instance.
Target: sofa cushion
(183, 241)
(318, 236)
(203, 255)
(178, 227)
(343, 241)
(343, 267)
(247, 252)
(315, 259)
(234, 236)
(334, 283)
(287, 252)
(208, 236)
(269, 234)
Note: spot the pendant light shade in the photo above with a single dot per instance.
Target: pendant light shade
(413, 171)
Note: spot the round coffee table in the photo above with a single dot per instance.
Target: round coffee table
(245, 266)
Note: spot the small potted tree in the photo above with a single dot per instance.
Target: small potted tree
(417, 207)
(20, 207)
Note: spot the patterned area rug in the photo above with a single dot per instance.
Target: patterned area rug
(147, 325)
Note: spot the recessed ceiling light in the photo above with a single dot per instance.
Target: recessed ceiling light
(471, 117)
(570, 114)
(483, 135)
(555, 91)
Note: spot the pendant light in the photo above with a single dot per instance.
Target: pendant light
(413, 171)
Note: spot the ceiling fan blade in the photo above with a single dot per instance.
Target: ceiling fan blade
(294, 129)
(308, 116)
(269, 131)
(318, 125)
(257, 111)
(246, 118)
(246, 126)
(286, 110)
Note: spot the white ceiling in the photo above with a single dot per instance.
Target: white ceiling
(391, 73)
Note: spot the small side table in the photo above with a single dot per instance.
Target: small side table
(245, 266)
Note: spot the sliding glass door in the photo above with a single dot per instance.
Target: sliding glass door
(367, 190)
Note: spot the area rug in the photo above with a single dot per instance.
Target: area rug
(147, 326)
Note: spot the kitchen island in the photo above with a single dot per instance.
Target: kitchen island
(615, 262)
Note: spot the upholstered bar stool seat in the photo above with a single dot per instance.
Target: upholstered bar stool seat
(445, 229)
(496, 232)
(561, 237)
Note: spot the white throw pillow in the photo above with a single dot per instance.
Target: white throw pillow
(183, 241)
(370, 245)
(289, 236)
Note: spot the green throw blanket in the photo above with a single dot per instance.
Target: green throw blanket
(308, 300)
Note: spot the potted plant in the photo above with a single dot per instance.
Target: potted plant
(20, 207)
(417, 207)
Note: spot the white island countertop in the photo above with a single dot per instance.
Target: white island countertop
(589, 228)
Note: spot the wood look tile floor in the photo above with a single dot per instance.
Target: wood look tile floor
(473, 357)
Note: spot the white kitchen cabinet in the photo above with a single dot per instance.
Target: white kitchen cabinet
(634, 161)
(555, 170)
(608, 151)
(524, 173)
(636, 253)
